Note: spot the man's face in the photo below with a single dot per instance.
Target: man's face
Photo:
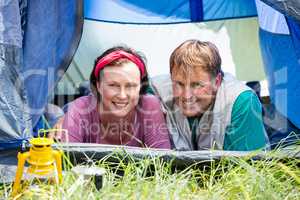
(194, 91)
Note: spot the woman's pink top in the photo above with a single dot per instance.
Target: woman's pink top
(149, 128)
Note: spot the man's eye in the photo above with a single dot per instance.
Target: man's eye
(178, 84)
(197, 85)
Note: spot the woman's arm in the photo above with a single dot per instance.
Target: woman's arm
(76, 120)
(155, 131)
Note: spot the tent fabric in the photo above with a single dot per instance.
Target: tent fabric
(290, 8)
(196, 10)
(270, 19)
(138, 11)
(295, 34)
(281, 62)
(23, 14)
(10, 23)
(52, 35)
(14, 115)
(85, 153)
(30, 66)
(166, 11)
(227, 9)
(157, 42)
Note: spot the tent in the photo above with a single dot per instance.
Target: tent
(279, 34)
(156, 29)
(38, 40)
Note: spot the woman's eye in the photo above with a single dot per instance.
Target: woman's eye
(113, 85)
(131, 86)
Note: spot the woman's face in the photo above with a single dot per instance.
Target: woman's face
(119, 87)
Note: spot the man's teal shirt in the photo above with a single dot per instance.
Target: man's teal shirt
(246, 130)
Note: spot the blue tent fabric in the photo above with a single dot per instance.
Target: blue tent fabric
(228, 9)
(294, 27)
(282, 69)
(52, 35)
(37, 42)
(290, 8)
(10, 23)
(166, 11)
(279, 52)
(138, 11)
(196, 9)
(279, 43)
(14, 115)
(23, 14)
(271, 20)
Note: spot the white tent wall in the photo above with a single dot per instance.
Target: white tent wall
(237, 40)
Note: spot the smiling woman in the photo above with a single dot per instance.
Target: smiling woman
(118, 111)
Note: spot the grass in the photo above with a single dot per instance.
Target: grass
(229, 178)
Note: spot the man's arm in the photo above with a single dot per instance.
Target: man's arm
(246, 131)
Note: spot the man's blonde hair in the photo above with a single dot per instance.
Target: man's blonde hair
(195, 53)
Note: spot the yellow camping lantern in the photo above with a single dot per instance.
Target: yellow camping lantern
(43, 162)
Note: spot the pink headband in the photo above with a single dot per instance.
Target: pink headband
(109, 58)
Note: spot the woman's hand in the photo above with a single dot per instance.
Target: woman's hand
(58, 133)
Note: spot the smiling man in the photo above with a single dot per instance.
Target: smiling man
(205, 108)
